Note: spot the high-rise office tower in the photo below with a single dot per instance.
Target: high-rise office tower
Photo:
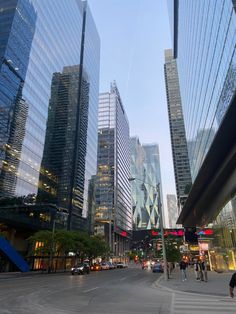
(206, 58)
(177, 130)
(198, 147)
(17, 29)
(65, 147)
(204, 36)
(145, 167)
(113, 214)
(172, 210)
(48, 48)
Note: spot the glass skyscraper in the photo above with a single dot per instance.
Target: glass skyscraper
(205, 49)
(177, 130)
(206, 61)
(145, 167)
(39, 42)
(113, 214)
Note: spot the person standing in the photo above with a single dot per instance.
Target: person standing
(196, 267)
(232, 284)
(183, 266)
(203, 268)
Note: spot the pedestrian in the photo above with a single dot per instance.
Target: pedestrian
(196, 267)
(183, 266)
(232, 284)
(203, 269)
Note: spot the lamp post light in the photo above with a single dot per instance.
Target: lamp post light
(157, 188)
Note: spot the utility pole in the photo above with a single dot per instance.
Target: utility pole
(162, 232)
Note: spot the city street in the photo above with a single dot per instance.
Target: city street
(113, 291)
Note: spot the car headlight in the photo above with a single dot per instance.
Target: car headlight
(72, 269)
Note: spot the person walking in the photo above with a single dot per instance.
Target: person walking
(183, 266)
(232, 284)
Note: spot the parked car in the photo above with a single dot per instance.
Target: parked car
(157, 268)
(105, 266)
(80, 269)
(96, 267)
(111, 265)
(121, 265)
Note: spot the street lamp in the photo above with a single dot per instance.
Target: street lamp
(157, 188)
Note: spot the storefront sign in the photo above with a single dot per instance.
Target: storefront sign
(203, 246)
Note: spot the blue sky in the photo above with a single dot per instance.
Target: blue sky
(134, 34)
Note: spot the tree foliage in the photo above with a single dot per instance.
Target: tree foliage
(61, 242)
(172, 251)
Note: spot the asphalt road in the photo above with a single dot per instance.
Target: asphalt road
(112, 291)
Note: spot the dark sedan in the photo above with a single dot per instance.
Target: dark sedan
(80, 269)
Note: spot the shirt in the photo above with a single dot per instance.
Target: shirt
(182, 265)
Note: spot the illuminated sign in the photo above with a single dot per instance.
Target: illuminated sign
(194, 248)
(154, 233)
(167, 232)
(123, 234)
(205, 232)
(204, 246)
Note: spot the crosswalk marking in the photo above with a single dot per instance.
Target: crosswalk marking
(186, 304)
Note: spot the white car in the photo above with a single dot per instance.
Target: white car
(105, 266)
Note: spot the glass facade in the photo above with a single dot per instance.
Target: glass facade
(172, 210)
(207, 69)
(145, 167)
(206, 59)
(37, 40)
(113, 194)
(222, 246)
(182, 172)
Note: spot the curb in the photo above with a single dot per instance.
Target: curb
(157, 284)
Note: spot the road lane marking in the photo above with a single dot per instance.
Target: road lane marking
(123, 278)
(91, 289)
(172, 303)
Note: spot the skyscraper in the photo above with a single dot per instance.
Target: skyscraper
(145, 167)
(48, 48)
(113, 214)
(17, 29)
(204, 47)
(172, 210)
(64, 156)
(177, 130)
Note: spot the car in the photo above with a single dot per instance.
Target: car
(121, 265)
(111, 265)
(157, 268)
(105, 266)
(95, 267)
(80, 269)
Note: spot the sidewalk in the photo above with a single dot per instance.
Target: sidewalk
(16, 274)
(217, 285)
